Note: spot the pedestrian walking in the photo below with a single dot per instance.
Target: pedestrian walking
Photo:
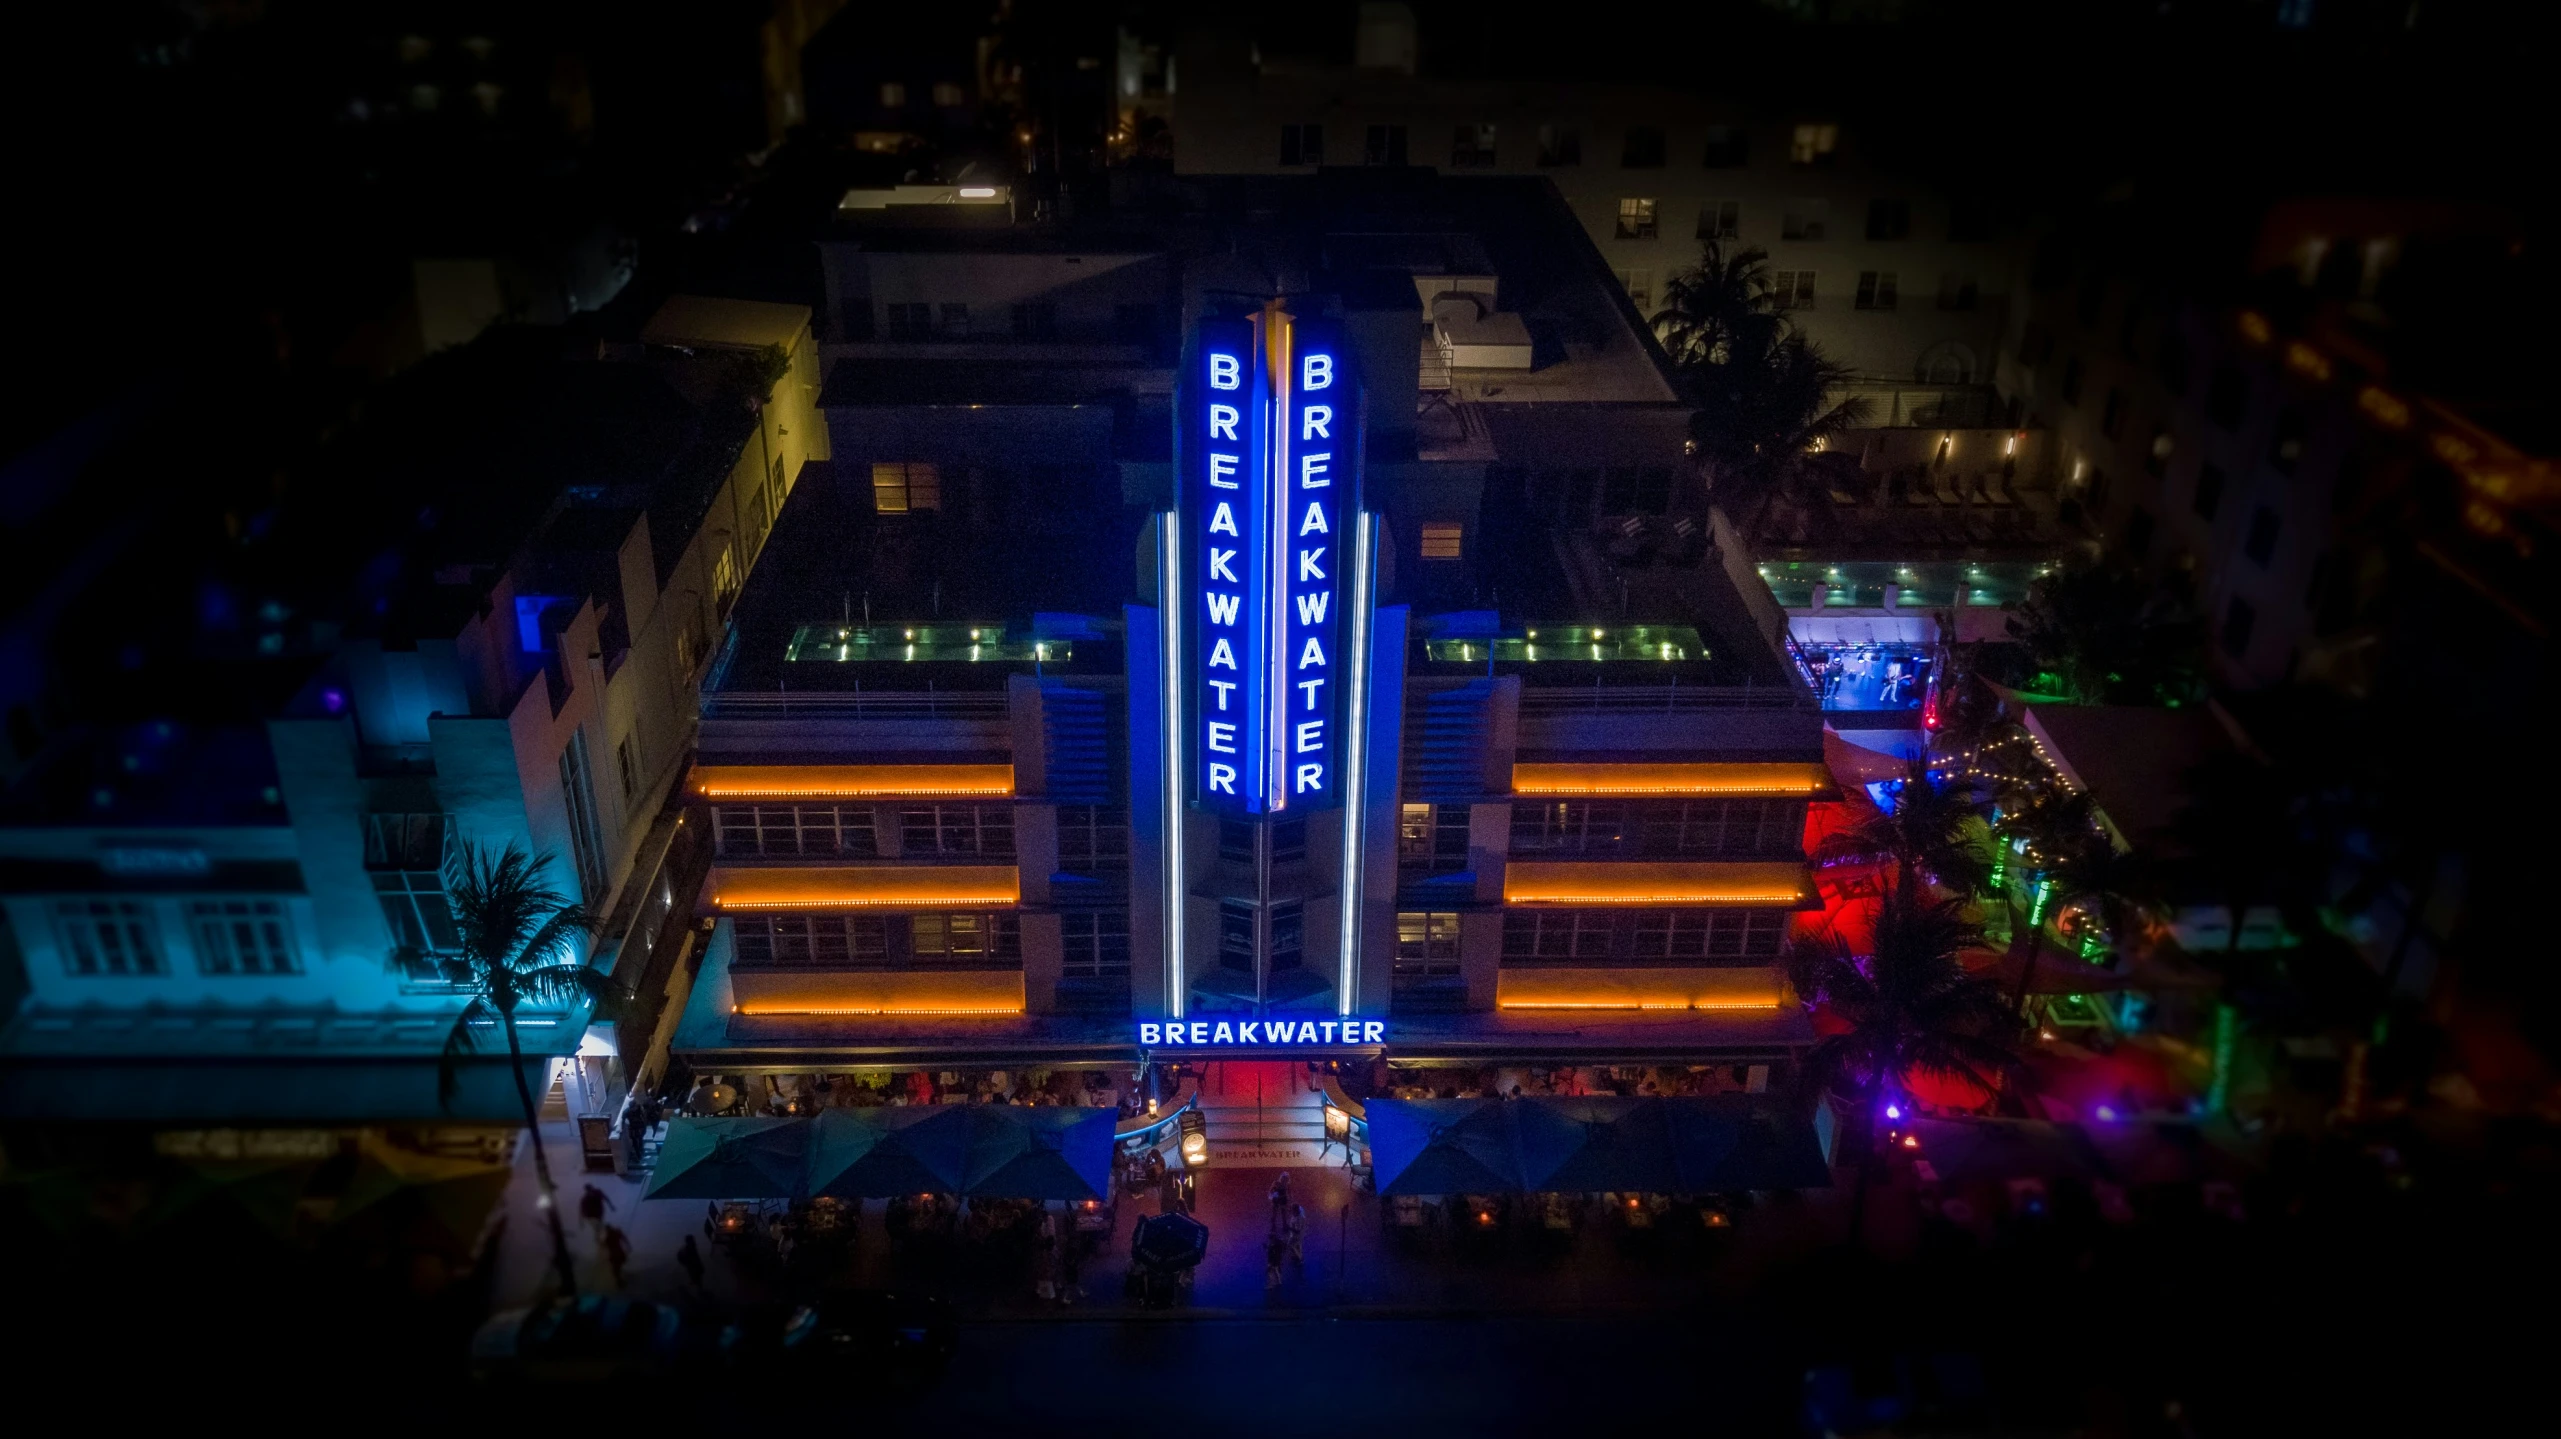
(1045, 1288)
(1280, 1200)
(1296, 1228)
(1274, 1250)
(617, 1247)
(689, 1259)
(592, 1206)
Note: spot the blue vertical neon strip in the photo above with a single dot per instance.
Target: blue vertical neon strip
(1170, 670)
(1272, 787)
(1353, 745)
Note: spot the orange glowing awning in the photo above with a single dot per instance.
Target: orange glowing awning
(945, 886)
(849, 781)
(1714, 781)
(1750, 884)
(1648, 987)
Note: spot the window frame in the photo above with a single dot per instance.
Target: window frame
(110, 939)
(219, 927)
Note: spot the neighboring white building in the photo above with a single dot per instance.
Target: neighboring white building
(1908, 287)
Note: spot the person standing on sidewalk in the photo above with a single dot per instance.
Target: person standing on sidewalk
(1296, 1228)
(1280, 1200)
(617, 1247)
(689, 1259)
(1274, 1250)
(592, 1206)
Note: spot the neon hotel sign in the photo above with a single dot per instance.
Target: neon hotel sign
(1265, 1032)
(1271, 476)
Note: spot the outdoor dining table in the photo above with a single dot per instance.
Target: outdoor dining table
(714, 1098)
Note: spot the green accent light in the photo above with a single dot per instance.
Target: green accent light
(2218, 1094)
(963, 642)
(1540, 642)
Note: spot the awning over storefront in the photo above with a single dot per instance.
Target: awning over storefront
(1827, 629)
(748, 1157)
(982, 1151)
(1674, 1145)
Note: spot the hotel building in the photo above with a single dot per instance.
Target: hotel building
(1161, 672)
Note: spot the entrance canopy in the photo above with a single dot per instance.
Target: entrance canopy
(1673, 1145)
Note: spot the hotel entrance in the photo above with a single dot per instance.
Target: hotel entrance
(1263, 1113)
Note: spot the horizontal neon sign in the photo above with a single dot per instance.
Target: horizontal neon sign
(1266, 1032)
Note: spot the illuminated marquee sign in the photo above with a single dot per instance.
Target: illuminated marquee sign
(1264, 1033)
(1271, 476)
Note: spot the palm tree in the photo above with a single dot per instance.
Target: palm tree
(2110, 636)
(1765, 391)
(518, 944)
(1932, 830)
(1910, 1007)
(2072, 858)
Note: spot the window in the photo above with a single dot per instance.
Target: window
(893, 96)
(1724, 826)
(906, 489)
(1442, 540)
(2286, 450)
(787, 831)
(1636, 219)
(1804, 219)
(1959, 292)
(2156, 458)
(1889, 219)
(724, 577)
(955, 319)
(948, 95)
(1036, 320)
(2209, 492)
(1567, 934)
(1302, 145)
(1092, 838)
(1235, 841)
(1643, 149)
(244, 936)
(1876, 290)
(1432, 837)
(1792, 289)
(1559, 145)
(2227, 400)
(1710, 934)
(1236, 935)
(1569, 827)
(1426, 948)
(964, 938)
(830, 940)
(1097, 948)
(1727, 147)
(103, 937)
(1640, 288)
(911, 322)
(980, 829)
(2112, 411)
(1383, 145)
(1289, 935)
(1471, 146)
(2261, 544)
(586, 836)
(407, 841)
(1814, 145)
(857, 319)
(2071, 390)
(421, 917)
(1720, 220)
(1289, 841)
(2239, 618)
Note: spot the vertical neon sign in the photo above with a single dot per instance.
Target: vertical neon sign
(1271, 468)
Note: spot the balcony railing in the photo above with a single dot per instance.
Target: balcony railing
(858, 705)
(1661, 699)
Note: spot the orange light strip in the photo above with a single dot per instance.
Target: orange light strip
(850, 781)
(1774, 781)
(1770, 1003)
(1587, 882)
(866, 887)
(765, 1013)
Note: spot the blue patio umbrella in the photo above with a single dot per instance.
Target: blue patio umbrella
(1737, 1141)
(1609, 1143)
(885, 1151)
(1020, 1152)
(730, 1158)
(1443, 1146)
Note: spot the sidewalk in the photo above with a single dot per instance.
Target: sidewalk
(1353, 1265)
